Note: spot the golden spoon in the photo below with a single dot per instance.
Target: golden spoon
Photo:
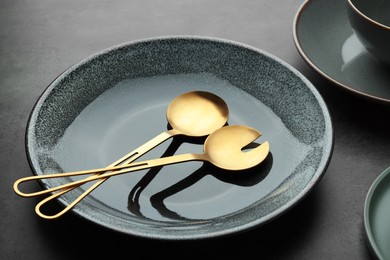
(194, 114)
(223, 148)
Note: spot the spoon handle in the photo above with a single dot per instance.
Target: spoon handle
(146, 147)
(118, 170)
(117, 165)
(127, 159)
(128, 168)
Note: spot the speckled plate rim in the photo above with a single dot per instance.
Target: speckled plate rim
(367, 208)
(307, 59)
(320, 171)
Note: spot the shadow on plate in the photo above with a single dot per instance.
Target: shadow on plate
(246, 178)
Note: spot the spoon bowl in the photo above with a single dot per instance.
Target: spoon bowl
(197, 113)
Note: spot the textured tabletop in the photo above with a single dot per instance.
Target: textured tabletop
(40, 39)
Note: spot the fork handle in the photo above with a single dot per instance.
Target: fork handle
(118, 170)
(101, 178)
(127, 159)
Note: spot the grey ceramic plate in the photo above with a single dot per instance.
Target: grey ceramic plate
(377, 216)
(114, 101)
(325, 40)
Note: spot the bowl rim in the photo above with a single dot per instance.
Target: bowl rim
(365, 17)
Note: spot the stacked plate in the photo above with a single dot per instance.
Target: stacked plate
(326, 41)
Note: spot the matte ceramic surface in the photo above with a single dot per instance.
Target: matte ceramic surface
(377, 216)
(326, 41)
(370, 21)
(377, 11)
(116, 100)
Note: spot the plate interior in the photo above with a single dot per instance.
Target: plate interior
(113, 102)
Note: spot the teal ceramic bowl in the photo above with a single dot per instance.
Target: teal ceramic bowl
(371, 23)
(377, 216)
(325, 39)
(111, 103)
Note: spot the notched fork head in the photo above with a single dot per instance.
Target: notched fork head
(224, 148)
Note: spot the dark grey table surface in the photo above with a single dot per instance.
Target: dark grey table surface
(39, 39)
